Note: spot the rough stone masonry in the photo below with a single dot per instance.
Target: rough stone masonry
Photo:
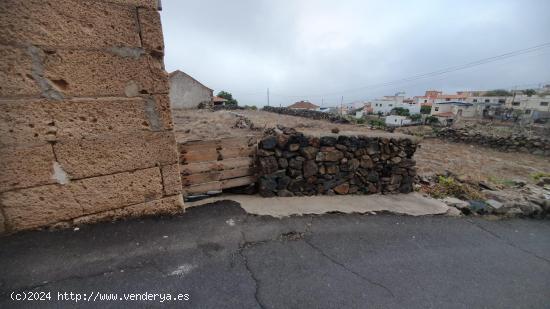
(85, 126)
(292, 163)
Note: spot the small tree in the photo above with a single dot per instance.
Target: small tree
(228, 96)
(426, 109)
(431, 120)
(529, 92)
(400, 111)
(416, 117)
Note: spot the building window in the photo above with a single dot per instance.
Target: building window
(390, 105)
(487, 100)
(447, 99)
(475, 100)
(527, 111)
(543, 103)
(515, 103)
(501, 101)
(425, 101)
(437, 109)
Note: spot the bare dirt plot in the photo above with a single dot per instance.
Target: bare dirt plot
(200, 124)
(477, 163)
(433, 157)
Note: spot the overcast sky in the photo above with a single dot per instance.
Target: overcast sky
(322, 50)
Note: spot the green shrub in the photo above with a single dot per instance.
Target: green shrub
(425, 109)
(415, 117)
(377, 123)
(431, 120)
(400, 111)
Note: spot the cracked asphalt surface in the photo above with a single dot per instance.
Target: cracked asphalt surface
(224, 258)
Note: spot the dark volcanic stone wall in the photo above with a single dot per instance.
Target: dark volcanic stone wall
(292, 164)
(306, 114)
(513, 143)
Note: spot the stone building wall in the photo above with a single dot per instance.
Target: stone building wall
(291, 163)
(86, 130)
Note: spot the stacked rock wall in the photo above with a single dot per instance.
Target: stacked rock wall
(306, 114)
(85, 126)
(512, 143)
(293, 164)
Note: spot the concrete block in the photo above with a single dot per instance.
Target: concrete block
(171, 179)
(39, 206)
(45, 205)
(113, 191)
(166, 206)
(68, 24)
(117, 72)
(163, 111)
(16, 73)
(151, 30)
(24, 122)
(115, 153)
(25, 167)
(36, 121)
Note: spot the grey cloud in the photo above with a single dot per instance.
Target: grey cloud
(320, 47)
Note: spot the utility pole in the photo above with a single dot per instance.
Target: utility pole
(267, 96)
(342, 105)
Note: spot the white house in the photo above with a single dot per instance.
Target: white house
(395, 120)
(532, 103)
(387, 103)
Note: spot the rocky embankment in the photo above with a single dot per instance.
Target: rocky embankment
(511, 143)
(306, 114)
(293, 164)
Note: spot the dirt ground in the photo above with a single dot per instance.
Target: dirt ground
(196, 124)
(433, 157)
(477, 163)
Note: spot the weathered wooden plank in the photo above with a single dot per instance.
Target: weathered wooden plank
(236, 162)
(237, 182)
(203, 188)
(236, 172)
(195, 179)
(207, 166)
(200, 156)
(227, 153)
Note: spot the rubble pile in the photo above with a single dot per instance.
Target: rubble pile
(512, 143)
(293, 164)
(520, 199)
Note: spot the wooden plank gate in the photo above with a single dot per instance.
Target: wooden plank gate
(214, 165)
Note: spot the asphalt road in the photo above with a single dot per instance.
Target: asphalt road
(223, 258)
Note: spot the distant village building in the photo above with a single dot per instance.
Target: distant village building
(217, 101)
(386, 104)
(528, 104)
(428, 98)
(304, 105)
(187, 92)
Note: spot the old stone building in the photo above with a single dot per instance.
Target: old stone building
(86, 130)
(187, 92)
